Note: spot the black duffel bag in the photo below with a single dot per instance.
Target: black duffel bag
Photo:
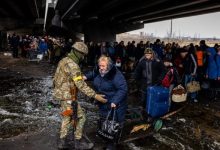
(108, 128)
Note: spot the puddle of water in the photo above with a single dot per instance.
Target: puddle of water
(23, 105)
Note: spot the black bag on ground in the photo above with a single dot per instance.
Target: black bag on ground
(108, 128)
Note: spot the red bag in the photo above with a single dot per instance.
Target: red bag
(167, 80)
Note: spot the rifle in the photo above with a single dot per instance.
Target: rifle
(74, 116)
(74, 105)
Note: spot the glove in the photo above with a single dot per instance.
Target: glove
(100, 98)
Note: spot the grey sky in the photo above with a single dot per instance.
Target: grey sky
(202, 26)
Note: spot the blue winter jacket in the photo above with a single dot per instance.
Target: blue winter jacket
(212, 68)
(43, 47)
(217, 59)
(113, 85)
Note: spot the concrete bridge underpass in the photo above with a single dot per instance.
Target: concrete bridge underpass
(98, 20)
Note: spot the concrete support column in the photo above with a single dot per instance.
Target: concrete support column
(96, 32)
(3, 40)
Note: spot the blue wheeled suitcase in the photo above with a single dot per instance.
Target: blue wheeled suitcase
(157, 101)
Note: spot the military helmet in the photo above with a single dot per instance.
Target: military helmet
(81, 47)
(148, 51)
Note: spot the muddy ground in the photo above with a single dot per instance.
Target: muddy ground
(29, 116)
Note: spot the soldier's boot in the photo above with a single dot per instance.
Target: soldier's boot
(62, 144)
(81, 145)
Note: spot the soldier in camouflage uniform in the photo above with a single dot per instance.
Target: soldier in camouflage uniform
(67, 80)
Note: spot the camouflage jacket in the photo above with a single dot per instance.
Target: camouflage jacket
(68, 75)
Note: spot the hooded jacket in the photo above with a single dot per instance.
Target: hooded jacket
(157, 72)
(213, 64)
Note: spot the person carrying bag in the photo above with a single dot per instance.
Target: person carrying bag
(193, 86)
(179, 94)
(108, 128)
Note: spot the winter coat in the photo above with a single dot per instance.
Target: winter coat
(113, 85)
(212, 67)
(158, 72)
(177, 62)
(173, 75)
(159, 50)
(217, 59)
(111, 51)
(190, 64)
(43, 47)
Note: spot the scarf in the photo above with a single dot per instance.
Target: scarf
(74, 56)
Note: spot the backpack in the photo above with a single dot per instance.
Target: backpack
(168, 79)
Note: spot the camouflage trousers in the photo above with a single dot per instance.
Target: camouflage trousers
(67, 121)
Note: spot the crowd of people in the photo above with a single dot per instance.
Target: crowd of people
(152, 62)
(200, 61)
(50, 48)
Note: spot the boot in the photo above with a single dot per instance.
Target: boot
(62, 145)
(80, 145)
(111, 146)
